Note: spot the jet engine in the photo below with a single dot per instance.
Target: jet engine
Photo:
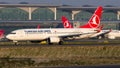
(111, 37)
(54, 39)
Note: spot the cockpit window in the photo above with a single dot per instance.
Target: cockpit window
(12, 33)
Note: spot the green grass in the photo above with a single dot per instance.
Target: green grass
(65, 55)
(61, 51)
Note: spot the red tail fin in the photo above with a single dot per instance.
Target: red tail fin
(38, 26)
(1, 33)
(66, 23)
(94, 20)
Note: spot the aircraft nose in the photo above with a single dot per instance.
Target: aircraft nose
(8, 36)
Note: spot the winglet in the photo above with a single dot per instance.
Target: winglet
(100, 28)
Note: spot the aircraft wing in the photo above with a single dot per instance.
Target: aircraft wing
(104, 33)
(75, 35)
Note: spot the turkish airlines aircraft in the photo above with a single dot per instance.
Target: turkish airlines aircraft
(54, 35)
(51, 35)
(110, 34)
(100, 34)
(94, 22)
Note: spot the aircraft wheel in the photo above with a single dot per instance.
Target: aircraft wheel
(100, 37)
(60, 43)
(48, 41)
(17, 44)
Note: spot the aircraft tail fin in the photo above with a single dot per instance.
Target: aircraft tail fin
(38, 26)
(100, 28)
(66, 23)
(94, 21)
(2, 34)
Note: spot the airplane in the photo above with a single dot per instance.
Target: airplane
(51, 35)
(94, 22)
(110, 34)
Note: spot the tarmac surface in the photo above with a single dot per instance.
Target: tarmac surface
(95, 66)
(83, 42)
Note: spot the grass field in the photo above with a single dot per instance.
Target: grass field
(64, 55)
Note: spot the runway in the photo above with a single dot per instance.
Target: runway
(94, 66)
(83, 42)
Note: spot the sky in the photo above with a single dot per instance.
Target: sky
(68, 2)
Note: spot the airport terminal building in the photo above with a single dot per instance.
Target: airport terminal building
(54, 12)
(45, 13)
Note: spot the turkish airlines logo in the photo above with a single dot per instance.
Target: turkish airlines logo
(95, 21)
(66, 24)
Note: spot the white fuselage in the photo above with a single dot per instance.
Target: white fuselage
(110, 35)
(41, 34)
(101, 32)
(114, 34)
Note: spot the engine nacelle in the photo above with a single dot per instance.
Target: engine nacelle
(111, 37)
(54, 39)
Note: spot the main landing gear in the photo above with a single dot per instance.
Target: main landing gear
(49, 43)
